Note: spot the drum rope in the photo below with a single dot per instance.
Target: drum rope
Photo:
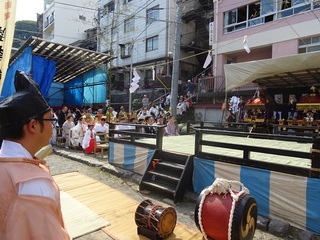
(221, 186)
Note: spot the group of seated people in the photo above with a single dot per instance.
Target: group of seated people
(78, 131)
(81, 135)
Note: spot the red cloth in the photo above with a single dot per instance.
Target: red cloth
(90, 149)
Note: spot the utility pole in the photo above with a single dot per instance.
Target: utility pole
(176, 63)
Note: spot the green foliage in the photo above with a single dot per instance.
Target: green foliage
(24, 30)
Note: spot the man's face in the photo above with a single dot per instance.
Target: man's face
(46, 132)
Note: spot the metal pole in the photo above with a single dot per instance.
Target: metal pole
(176, 64)
(131, 76)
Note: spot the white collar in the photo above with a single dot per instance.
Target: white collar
(13, 149)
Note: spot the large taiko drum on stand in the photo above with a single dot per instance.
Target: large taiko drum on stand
(154, 221)
(225, 214)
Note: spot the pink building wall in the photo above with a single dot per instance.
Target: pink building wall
(285, 48)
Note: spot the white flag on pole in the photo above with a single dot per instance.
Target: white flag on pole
(245, 44)
(135, 80)
(133, 89)
(153, 74)
(208, 60)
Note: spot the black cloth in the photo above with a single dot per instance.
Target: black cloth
(25, 104)
(62, 118)
(151, 130)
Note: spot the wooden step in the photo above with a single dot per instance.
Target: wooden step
(164, 175)
(160, 186)
(171, 164)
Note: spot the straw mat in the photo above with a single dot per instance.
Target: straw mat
(78, 218)
(113, 206)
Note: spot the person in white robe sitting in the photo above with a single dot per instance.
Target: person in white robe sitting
(66, 126)
(78, 132)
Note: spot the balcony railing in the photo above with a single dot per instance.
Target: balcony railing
(48, 21)
(210, 83)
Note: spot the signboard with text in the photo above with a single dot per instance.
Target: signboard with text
(7, 24)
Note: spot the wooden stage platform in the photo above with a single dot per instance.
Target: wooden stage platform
(185, 144)
(113, 206)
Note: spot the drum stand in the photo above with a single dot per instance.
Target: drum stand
(149, 233)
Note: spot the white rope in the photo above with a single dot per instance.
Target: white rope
(221, 186)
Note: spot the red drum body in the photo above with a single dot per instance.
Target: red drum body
(160, 220)
(215, 216)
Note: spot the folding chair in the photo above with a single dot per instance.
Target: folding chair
(60, 139)
(102, 144)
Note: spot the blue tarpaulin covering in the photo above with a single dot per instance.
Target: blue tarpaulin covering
(23, 63)
(43, 71)
(56, 94)
(91, 87)
(95, 90)
(73, 94)
(88, 88)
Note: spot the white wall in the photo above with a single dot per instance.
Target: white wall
(67, 27)
(141, 31)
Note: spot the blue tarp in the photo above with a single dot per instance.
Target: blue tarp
(43, 71)
(22, 63)
(95, 90)
(87, 88)
(91, 87)
(73, 95)
(56, 94)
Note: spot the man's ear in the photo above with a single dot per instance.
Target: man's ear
(31, 126)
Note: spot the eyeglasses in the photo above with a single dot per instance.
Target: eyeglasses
(52, 120)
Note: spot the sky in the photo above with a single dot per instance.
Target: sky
(28, 9)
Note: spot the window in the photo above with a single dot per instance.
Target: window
(152, 14)
(309, 44)
(265, 11)
(152, 43)
(128, 25)
(125, 50)
(109, 7)
(81, 17)
(126, 1)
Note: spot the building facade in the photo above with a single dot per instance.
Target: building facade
(140, 35)
(66, 22)
(273, 29)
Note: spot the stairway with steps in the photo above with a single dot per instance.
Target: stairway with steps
(170, 173)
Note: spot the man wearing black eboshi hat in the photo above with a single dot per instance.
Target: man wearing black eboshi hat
(30, 199)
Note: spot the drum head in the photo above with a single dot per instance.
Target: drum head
(167, 222)
(244, 219)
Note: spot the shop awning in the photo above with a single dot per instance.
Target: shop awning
(301, 70)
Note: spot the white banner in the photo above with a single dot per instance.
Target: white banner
(7, 24)
(245, 44)
(208, 60)
(134, 84)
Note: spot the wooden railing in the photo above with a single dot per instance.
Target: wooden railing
(246, 160)
(231, 126)
(128, 136)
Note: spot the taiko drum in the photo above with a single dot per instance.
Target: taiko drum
(161, 220)
(215, 216)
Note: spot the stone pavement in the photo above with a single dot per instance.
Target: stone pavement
(280, 229)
